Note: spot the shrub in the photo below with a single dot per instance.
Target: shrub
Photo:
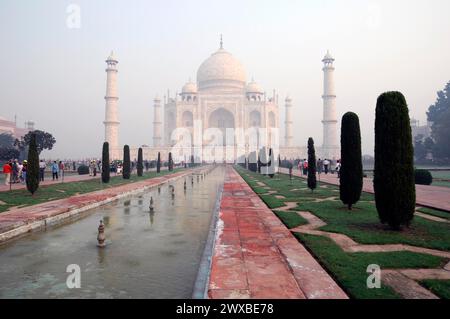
(423, 177)
(158, 163)
(126, 162)
(33, 166)
(393, 181)
(83, 170)
(312, 181)
(140, 164)
(106, 170)
(170, 162)
(351, 171)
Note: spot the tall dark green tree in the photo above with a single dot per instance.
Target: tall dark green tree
(106, 171)
(126, 162)
(351, 171)
(33, 166)
(312, 180)
(170, 162)
(140, 163)
(439, 116)
(394, 186)
(158, 163)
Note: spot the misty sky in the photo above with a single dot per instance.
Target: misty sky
(55, 75)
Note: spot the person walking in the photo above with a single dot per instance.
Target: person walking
(338, 168)
(61, 169)
(7, 169)
(305, 167)
(24, 171)
(319, 166)
(42, 167)
(326, 165)
(55, 170)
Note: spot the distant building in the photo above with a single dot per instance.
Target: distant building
(417, 129)
(10, 127)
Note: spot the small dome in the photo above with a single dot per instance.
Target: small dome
(254, 87)
(189, 88)
(221, 69)
(112, 57)
(328, 57)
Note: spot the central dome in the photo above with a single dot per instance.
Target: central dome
(221, 70)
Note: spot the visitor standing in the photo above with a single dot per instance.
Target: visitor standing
(7, 169)
(55, 170)
(305, 167)
(326, 165)
(24, 171)
(42, 167)
(338, 168)
(319, 166)
(61, 169)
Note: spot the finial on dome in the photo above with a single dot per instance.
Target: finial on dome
(221, 41)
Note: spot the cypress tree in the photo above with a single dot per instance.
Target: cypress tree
(140, 163)
(105, 163)
(126, 162)
(170, 162)
(33, 166)
(158, 163)
(395, 193)
(312, 182)
(351, 171)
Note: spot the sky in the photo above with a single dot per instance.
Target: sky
(52, 68)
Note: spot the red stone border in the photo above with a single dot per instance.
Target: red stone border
(256, 256)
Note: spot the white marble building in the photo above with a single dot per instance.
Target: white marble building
(222, 99)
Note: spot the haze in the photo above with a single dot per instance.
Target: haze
(55, 75)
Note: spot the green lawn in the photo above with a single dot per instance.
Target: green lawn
(434, 212)
(350, 269)
(361, 224)
(47, 193)
(291, 219)
(440, 288)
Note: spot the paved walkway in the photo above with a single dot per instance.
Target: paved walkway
(23, 220)
(48, 180)
(256, 256)
(431, 196)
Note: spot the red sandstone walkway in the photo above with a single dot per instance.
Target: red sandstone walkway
(256, 256)
(22, 220)
(431, 196)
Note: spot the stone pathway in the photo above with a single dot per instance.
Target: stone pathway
(256, 256)
(403, 281)
(22, 220)
(429, 196)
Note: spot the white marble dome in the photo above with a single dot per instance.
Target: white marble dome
(254, 87)
(189, 88)
(221, 69)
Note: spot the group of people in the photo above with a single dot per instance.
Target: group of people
(322, 166)
(16, 171)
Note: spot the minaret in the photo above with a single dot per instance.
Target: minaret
(330, 134)
(288, 122)
(157, 122)
(111, 113)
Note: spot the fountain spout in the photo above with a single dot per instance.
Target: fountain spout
(101, 235)
(151, 204)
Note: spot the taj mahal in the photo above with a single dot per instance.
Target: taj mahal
(218, 108)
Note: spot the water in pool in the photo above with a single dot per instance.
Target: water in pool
(149, 255)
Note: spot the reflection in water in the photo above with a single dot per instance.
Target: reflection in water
(148, 255)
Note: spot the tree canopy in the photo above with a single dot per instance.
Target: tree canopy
(439, 115)
(44, 141)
